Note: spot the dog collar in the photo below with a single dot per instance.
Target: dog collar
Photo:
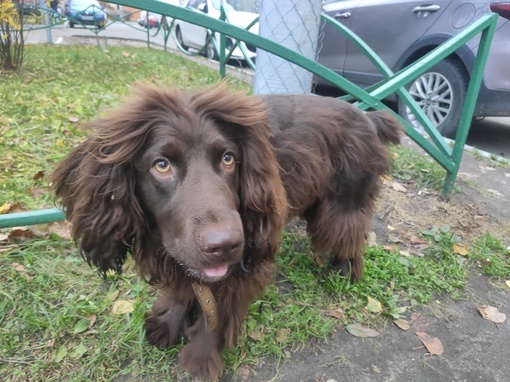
(208, 305)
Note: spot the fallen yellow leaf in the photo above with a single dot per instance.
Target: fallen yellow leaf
(5, 208)
(122, 307)
(460, 249)
(374, 306)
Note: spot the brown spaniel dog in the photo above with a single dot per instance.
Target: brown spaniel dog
(198, 189)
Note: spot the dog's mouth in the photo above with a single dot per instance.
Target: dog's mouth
(219, 271)
(210, 274)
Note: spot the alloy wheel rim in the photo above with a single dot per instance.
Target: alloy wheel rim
(434, 94)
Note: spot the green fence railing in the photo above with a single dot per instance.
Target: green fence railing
(371, 98)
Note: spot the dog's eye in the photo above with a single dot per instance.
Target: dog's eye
(162, 166)
(228, 159)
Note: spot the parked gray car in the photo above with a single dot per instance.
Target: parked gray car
(401, 31)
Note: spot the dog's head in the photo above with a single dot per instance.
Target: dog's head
(183, 182)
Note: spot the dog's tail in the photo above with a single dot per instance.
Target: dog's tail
(388, 128)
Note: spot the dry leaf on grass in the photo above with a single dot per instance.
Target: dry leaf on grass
(255, 335)
(418, 240)
(122, 307)
(338, 313)
(390, 247)
(61, 229)
(398, 187)
(5, 208)
(433, 344)
(282, 335)
(491, 313)
(374, 306)
(38, 175)
(460, 249)
(36, 192)
(21, 234)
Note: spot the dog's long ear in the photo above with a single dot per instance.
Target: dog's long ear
(263, 201)
(100, 203)
(96, 183)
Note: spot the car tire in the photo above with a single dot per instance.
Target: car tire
(71, 24)
(210, 50)
(440, 92)
(178, 36)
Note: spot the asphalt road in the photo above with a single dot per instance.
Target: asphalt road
(491, 135)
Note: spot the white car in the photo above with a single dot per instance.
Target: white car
(239, 13)
(149, 19)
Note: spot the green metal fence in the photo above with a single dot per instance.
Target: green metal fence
(371, 98)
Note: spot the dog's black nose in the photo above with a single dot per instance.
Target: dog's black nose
(218, 242)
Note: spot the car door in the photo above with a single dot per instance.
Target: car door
(389, 27)
(333, 43)
(194, 35)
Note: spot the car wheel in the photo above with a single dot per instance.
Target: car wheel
(440, 93)
(210, 51)
(71, 24)
(178, 36)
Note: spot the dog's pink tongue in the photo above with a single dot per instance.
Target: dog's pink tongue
(216, 271)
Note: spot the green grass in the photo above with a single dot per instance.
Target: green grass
(59, 85)
(414, 167)
(56, 314)
(57, 320)
(491, 256)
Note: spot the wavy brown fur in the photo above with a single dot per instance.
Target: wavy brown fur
(197, 188)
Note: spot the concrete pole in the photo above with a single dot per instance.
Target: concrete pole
(295, 25)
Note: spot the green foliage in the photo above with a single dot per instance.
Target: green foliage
(491, 256)
(413, 166)
(60, 87)
(57, 321)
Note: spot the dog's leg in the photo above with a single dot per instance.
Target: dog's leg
(339, 232)
(166, 322)
(202, 356)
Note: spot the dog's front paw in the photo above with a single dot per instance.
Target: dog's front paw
(201, 361)
(159, 333)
